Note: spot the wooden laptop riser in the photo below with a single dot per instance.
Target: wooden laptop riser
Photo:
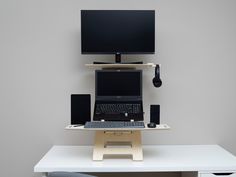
(118, 142)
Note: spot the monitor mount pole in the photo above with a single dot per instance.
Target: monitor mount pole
(118, 58)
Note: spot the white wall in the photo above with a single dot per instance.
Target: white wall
(41, 65)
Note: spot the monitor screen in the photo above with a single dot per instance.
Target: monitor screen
(118, 83)
(117, 31)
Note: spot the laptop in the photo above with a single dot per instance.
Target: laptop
(118, 95)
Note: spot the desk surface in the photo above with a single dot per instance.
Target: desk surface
(156, 159)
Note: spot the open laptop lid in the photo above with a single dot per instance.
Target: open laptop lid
(118, 85)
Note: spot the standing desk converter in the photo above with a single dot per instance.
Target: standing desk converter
(111, 141)
(191, 160)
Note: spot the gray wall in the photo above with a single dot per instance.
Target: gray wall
(41, 65)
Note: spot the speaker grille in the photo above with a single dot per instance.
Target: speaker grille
(80, 108)
(155, 114)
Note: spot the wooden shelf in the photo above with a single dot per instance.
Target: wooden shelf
(158, 127)
(146, 65)
(110, 141)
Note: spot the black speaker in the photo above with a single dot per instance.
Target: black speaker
(80, 108)
(155, 114)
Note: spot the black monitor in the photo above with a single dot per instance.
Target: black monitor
(118, 85)
(117, 32)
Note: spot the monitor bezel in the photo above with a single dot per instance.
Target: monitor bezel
(119, 98)
(121, 52)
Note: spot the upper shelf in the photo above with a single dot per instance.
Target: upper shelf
(146, 65)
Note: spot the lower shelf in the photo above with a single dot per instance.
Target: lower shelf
(81, 127)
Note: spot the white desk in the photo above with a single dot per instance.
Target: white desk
(204, 159)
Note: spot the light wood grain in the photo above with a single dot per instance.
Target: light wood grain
(118, 143)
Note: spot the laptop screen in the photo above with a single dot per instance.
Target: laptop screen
(118, 83)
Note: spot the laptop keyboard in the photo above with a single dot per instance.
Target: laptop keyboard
(118, 108)
(114, 124)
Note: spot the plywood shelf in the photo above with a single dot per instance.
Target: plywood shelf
(77, 127)
(110, 141)
(122, 66)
